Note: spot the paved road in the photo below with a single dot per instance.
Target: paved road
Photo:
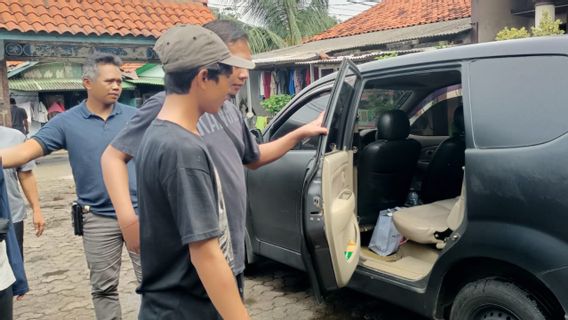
(58, 275)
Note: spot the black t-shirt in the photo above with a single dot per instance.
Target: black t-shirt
(19, 115)
(180, 202)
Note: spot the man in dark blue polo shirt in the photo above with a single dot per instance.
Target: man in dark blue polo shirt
(85, 131)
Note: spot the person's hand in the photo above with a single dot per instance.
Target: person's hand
(131, 235)
(313, 128)
(20, 297)
(39, 223)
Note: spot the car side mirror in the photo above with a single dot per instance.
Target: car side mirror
(257, 134)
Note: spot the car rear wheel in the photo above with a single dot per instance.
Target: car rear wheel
(494, 300)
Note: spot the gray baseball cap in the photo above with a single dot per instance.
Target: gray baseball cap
(185, 47)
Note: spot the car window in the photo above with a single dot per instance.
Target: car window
(433, 116)
(518, 101)
(375, 101)
(306, 111)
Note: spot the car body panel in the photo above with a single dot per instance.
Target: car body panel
(516, 203)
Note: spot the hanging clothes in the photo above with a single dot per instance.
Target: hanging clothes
(266, 83)
(282, 82)
(261, 86)
(276, 81)
(273, 85)
(308, 77)
(41, 113)
(316, 73)
(298, 80)
(291, 86)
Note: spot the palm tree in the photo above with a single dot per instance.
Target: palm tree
(282, 22)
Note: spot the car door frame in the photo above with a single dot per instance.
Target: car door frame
(264, 247)
(316, 253)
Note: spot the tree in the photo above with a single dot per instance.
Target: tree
(291, 20)
(546, 27)
(260, 39)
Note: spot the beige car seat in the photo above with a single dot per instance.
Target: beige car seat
(431, 223)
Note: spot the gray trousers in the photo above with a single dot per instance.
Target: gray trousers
(19, 230)
(103, 244)
(6, 300)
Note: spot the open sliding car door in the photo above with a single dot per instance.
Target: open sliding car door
(331, 226)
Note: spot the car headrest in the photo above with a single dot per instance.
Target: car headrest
(393, 125)
(459, 124)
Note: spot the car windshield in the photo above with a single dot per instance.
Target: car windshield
(375, 101)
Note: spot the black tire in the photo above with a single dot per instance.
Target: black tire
(494, 300)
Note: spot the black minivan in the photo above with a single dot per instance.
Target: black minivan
(475, 135)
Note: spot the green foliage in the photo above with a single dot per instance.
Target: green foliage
(291, 20)
(443, 45)
(387, 55)
(546, 27)
(260, 39)
(275, 103)
(512, 33)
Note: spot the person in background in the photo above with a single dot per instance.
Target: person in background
(85, 131)
(13, 280)
(23, 176)
(19, 117)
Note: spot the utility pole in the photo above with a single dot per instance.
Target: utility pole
(5, 117)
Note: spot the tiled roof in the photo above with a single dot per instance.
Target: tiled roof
(394, 14)
(146, 18)
(366, 42)
(130, 67)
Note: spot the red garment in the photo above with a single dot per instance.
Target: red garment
(266, 83)
(308, 77)
(56, 107)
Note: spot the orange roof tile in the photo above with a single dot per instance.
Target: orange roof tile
(147, 18)
(394, 14)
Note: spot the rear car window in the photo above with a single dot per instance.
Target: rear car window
(518, 101)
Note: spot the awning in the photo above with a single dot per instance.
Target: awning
(311, 50)
(20, 67)
(359, 58)
(46, 85)
(146, 81)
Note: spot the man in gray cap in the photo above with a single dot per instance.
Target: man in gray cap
(228, 140)
(181, 200)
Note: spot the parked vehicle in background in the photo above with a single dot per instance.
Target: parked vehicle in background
(478, 132)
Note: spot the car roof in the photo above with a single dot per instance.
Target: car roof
(556, 45)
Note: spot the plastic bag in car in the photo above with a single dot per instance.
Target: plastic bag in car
(385, 239)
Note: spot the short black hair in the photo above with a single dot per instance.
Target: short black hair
(180, 82)
(12, 101)
(229, 31)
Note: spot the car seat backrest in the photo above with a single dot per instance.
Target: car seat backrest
(393, 125)
(386, 167)
(457, 213)
(443, 177)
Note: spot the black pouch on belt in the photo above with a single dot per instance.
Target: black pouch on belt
(4, 225)
(77, 218)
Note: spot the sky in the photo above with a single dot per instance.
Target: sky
(342, 9)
